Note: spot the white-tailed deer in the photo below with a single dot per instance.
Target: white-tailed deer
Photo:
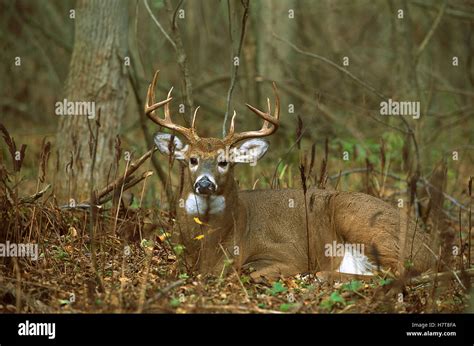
(276, 232)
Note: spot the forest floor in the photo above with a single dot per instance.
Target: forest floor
(118, 271)
(149, 278)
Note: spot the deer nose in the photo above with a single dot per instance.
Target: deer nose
(204, 186)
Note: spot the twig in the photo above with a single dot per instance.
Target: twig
(460, 14)
(132, 182)
(423, 181)
(181, 57)
(445, 264)
(432, 30)
(450, 198)
(333, 64)
(131, 169)
(237, 274)
(165, 290)
(149, 142)
(290, 149)
(235, 67)
(440, 276)
(159, 25)
(32, 198)
(359, 81)
(231, 308)
(470, 221)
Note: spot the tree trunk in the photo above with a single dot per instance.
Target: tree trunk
(97, 74)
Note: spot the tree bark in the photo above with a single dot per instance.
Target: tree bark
(97, 74)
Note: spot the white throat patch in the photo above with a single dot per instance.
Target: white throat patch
(355, 263)
(199, 205)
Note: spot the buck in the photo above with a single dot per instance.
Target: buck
(272, 232)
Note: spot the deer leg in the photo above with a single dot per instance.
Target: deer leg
(270, 270)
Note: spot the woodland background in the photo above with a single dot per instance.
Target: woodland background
(327, 109)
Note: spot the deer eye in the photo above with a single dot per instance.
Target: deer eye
(222, 163)
(193, 161)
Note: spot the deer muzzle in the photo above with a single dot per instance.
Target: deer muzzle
(204, 186)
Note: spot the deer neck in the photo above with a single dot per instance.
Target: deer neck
(209, 224)
(214, 210)
(218, 213)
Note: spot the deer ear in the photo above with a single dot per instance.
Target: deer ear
(162, 141)
(251, 151)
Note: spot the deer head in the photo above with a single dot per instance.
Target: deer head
(210, 161)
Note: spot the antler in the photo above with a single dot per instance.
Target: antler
(270, 124)
(151, 106)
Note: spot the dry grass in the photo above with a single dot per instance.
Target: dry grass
(140, 277)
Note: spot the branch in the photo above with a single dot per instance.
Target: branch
(235, 68)
(181, 57)
(460, 14)
(432, 30)
(130, 183)
(422, 181)
(159, 25)
(161, 173)
(126, 178)
(360, 82)
(165, 290)
(32, 198)
(441, 276)
(333, 64)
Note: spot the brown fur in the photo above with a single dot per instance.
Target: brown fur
(272, 237)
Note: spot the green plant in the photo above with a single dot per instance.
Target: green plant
(334, 299)
(352, 286)
(277, 287)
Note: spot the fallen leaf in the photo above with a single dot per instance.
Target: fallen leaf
(199, 222)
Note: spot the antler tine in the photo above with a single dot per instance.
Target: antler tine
(277, 101)
(232, 124)
(193, 127)
(270, 124)
(151, 106)
(167, 107)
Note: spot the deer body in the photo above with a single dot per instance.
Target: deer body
(258, 229)
(277, 232)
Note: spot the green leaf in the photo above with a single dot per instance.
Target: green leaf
(157, 4)
(183, 276)
(277, 288)
(146, 243)
(326, 304)
(336, 298)
(178, 249)
(352, 286)
(384, 282)
(135, 204)
(245, 279)
(64, 302)
(333, 299)
(286, 307)
(175, 303)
